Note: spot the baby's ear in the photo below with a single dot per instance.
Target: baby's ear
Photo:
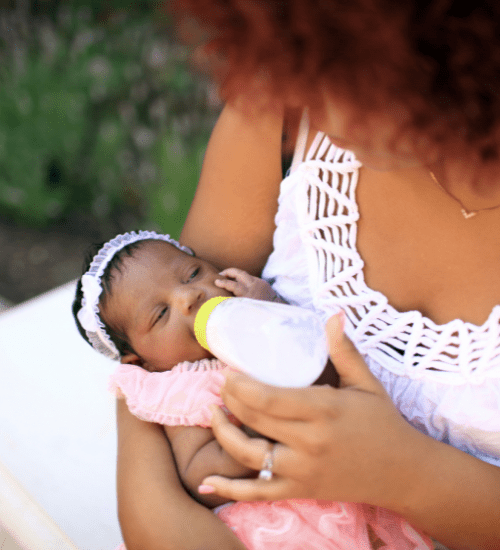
(132, 359)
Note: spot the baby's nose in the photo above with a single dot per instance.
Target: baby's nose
(190, 299)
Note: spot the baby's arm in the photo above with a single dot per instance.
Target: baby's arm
(198, 455)
(242, 284)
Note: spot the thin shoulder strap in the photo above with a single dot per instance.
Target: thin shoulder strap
(300, 145)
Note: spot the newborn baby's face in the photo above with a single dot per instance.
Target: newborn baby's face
(154, 300)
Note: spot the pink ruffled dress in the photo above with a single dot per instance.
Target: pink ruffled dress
(182, 396)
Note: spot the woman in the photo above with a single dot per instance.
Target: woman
(412, 89)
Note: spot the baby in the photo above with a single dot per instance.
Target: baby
(137, 302)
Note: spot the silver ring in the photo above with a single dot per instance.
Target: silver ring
(266, 472)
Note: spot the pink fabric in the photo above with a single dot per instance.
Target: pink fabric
(180, 397)
(319, 525)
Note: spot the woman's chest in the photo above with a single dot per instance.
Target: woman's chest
(423, 255)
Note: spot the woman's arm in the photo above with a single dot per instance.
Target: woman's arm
(197, 455)
(351, 444)
(154, 510)
(231, 222)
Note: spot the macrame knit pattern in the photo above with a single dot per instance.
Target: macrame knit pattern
(405, 343)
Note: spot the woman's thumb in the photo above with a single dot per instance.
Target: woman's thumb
(347, 360)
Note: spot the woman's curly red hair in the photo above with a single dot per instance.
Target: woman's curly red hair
(439, 59)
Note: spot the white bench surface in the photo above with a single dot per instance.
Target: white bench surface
(57, 420)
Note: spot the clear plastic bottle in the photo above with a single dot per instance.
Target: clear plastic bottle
(276, 343)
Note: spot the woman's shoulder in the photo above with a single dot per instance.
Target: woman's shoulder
(314, 149)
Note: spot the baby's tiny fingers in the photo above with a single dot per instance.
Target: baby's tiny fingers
(238, 274)
(235, 287)
(227, 284)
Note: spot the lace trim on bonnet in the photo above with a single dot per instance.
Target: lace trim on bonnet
(405, 343)
(89, 315)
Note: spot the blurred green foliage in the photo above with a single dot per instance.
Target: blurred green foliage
(181, 166)
(99, 113)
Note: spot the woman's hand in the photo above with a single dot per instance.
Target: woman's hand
(351, 444)
(335, 444)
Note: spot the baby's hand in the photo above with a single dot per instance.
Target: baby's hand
(242, 284)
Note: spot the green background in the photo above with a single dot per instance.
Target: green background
(101, 116)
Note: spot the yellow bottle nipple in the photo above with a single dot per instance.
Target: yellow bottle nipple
(201, 319)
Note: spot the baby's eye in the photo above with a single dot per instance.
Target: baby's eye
(194, 273)
(161, 314)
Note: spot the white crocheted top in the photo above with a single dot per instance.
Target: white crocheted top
(445, 379)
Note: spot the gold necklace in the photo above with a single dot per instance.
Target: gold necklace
(465, 212)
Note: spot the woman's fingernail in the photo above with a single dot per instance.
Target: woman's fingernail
(206, 489)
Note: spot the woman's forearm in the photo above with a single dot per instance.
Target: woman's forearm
(454, 497)
(155, 512)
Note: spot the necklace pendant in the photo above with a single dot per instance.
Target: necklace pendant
(466, 214)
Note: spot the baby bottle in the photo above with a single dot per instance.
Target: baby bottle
(276, 343)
